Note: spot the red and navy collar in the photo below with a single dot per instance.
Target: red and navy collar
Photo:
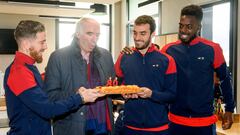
(194, 41)
(150, 49)
(22, 58)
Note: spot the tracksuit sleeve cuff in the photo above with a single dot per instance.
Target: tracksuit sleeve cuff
(78, 100)
(155, 96)
(229, 109)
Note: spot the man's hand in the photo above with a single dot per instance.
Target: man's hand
(100, 94)
(147, 93)
(227, 120)
(89, 95)
(127, 50)
(128, 96)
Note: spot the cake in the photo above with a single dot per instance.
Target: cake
(123, 89)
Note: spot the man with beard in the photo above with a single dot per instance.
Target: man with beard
(197, 59)
(28, 107)
(81, 64)
(146, 113)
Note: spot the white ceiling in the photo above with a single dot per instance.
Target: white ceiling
(48, 10)
(96, 1)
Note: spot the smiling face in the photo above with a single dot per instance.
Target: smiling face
(31, 38)
(189, 27)
(37, 46)
(142, 36)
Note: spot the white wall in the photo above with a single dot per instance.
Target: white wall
(116, 27)
(119, 28)
(11, 21)
(202, 2)
(170, 15)
(135, 11)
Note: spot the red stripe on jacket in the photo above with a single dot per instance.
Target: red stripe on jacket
(20, 77)
(117, 66)
(155, 129)
(218, 54)
(193, 122)
(171, 66)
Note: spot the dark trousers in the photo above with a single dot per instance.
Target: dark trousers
(175, 129)
(127, 131)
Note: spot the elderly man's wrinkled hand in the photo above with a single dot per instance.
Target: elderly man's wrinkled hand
(89, 95)
(100, 94)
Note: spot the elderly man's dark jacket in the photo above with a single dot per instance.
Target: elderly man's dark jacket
(66, 72)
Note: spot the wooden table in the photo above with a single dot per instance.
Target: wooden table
(2, 101)
(235, 129)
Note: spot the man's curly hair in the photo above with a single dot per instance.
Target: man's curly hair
(193, 10)
(145, 19)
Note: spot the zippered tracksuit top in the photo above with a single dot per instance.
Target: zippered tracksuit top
(156, 71)
(28, 107)
(196, 64)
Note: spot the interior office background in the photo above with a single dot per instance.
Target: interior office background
(220, 24)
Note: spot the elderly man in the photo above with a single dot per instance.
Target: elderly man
(82, 64)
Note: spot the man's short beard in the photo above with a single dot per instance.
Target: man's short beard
(144, 46)
(35, 56)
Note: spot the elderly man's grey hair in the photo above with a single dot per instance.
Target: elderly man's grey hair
(80, 24)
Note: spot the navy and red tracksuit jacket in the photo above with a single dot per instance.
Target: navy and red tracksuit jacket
(156, 71)
(28, 107)
(196, 63)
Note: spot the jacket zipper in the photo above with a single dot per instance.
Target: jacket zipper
(143, 60)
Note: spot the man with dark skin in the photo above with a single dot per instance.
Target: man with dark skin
(196, 60)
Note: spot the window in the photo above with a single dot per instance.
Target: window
(216, 26)
(220, 25)
(66, 28)
(135, 11)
